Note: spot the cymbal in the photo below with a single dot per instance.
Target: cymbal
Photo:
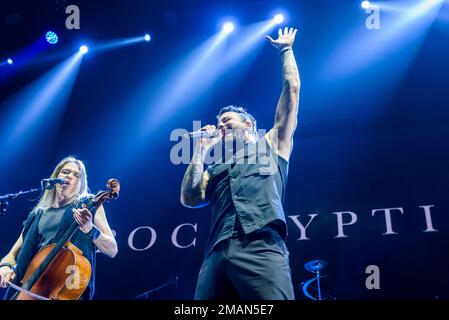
(315, 265)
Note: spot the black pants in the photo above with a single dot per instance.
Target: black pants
(251, 267)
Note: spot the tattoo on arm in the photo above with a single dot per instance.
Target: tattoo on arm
(287, 108)
(290, 75)
(193, 186)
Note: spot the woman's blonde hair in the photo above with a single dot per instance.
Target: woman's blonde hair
(48, 199)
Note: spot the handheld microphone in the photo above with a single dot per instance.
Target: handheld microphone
(201, 134)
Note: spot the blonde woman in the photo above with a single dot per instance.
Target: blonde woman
(54, 212)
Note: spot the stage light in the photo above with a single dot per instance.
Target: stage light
(228, 27)
(9, 61)
(357, 53)
(52, 38)
(365, 5)
(278, 19)
(147, 37)
(84, 49)
(32, 108)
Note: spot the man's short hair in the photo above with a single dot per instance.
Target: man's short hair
(243, 113)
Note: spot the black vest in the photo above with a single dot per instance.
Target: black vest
(249, 188)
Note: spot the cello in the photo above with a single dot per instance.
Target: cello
(59, 271)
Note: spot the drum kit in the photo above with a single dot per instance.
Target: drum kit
(315, 267)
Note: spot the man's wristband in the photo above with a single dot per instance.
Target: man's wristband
(6, 264)
(284, 49)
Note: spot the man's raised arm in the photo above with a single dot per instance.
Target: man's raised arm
(281, 138)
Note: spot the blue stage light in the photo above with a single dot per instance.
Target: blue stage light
(278, 19)
(52, 38)
(10, 61)
(365, 5)
(84, 49)
(228, 27)
(147, 37)
(40, 102)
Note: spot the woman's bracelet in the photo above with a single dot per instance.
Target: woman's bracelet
(6, 264)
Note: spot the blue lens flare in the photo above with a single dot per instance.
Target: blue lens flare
(52, 38)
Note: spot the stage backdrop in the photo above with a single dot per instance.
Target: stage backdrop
(370, 204)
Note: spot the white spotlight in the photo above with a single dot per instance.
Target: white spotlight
(228, 27)
(84, 49)
(278, 19)
(147, 37)
(9, 61)
(365, 5)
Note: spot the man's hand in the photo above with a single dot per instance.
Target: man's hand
(207, 142)
(285, 39)
(6, 274)
(84, 218)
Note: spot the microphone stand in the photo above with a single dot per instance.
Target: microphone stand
(4, 200)
(145, 295)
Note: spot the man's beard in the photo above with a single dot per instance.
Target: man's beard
(232, 143)
(235, 135)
